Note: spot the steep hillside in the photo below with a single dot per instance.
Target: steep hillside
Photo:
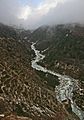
(63, 46)
(23, 94)
(7, 31)
(63, 43)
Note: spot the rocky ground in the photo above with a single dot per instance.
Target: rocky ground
(63, 47)
(23, 94)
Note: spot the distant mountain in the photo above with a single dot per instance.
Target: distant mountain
(7, 31)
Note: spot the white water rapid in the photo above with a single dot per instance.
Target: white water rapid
(64, 91)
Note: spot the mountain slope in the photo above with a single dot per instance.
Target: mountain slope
(22, 93)
(63, 46)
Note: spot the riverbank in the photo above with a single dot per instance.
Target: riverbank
(66, 86)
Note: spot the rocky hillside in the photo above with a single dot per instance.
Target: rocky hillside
(23, 94)
(63, 46)
(7, 31)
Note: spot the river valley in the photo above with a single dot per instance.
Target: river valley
(64, 91)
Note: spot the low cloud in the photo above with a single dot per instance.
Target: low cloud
(46, 12)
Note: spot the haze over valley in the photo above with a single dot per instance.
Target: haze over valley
(31, 14)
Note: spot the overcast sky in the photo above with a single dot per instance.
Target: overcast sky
(34, 13)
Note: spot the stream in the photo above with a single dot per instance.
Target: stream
(64, 91)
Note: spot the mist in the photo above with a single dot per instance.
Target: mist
(46, 12)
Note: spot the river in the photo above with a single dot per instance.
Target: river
(64, 91)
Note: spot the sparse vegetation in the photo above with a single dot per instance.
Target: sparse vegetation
(24, 91)
(65, 53)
